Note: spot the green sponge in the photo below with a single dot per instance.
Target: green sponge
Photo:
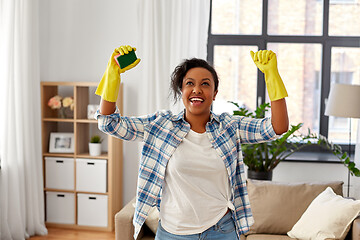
(126, 61)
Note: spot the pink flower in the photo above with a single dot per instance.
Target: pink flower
(55, 102)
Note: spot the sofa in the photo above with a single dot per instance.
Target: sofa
(277, 209)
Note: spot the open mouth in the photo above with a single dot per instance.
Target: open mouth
(196, 100)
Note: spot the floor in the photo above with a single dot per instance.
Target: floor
(67, 234)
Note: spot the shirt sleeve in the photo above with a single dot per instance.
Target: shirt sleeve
(125, 128)
(253, 130)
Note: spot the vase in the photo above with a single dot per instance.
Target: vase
(260, 175)
(62, 113)
(95, 149)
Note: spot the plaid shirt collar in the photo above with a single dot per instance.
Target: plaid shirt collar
(181, 117)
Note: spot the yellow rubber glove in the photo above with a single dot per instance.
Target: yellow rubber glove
(109, 85)
(266, 61)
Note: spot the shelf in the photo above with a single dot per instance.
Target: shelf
(73, 191)
(73, 84)
(82, 128)
(47, 154)
(70, 120)
(87, 155)
(75, 226)
(59, 190)
(92, 193)
(104, 155)
(86, 121)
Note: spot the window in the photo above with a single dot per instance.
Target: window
(317, 43)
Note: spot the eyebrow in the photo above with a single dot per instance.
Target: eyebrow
(201, 79)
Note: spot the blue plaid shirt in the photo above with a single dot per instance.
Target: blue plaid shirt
(162, 132)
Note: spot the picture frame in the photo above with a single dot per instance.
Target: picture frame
(91, 110)
(61, 142)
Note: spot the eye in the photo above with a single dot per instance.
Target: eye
(189, 83)
(206, 83)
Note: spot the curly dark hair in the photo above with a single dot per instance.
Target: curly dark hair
(180, 71)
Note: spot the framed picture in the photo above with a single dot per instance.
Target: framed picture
(61, 142)
(91, 110)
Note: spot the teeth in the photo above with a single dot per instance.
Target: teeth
(196, 99)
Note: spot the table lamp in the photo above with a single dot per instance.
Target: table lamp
(344, 101)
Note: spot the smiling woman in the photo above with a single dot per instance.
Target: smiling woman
(197, 84)
(180, 71)
(195, 156)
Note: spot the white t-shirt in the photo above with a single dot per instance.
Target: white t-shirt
(196, 192)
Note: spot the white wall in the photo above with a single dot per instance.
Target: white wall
(299, 171)
(77, 38)
(315, 172)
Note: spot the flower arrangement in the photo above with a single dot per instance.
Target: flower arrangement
(57, 102)
(68, 102)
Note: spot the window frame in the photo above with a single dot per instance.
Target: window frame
(326, 41)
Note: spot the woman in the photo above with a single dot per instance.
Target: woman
(191, 165)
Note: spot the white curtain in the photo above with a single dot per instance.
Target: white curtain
(21, 194)
(170, 31)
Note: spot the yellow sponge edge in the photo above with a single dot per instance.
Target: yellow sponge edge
(130, 66)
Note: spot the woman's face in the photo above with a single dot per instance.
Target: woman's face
(198, 92)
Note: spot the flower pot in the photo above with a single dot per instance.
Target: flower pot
(62, 113)
(260, 175)
(95, 149)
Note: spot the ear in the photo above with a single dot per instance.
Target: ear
(215, 93)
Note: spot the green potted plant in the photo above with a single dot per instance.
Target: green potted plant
(262, 158)
(95, 145)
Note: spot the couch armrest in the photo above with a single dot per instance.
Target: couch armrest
(124, 228)
(356, 229)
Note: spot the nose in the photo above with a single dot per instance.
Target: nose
(196, 90)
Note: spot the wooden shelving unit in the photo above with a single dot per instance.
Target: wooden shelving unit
(81, 126)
